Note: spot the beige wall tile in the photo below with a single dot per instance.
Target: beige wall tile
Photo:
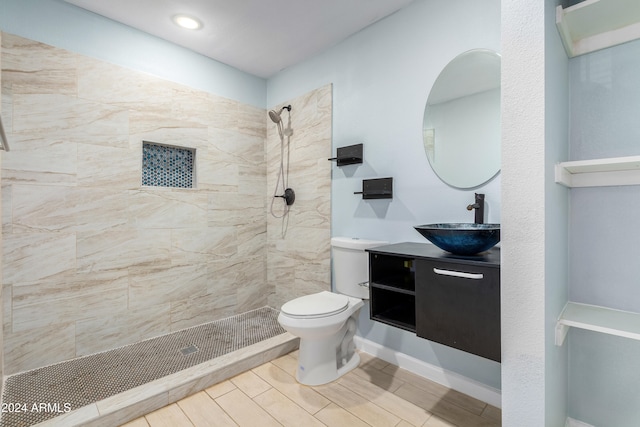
(67, 118)
(157, 286)
(33, 67)
(37, 256)
(112, 250)
(38, 347)
(63, 208)
(109, 167)
(308, 232)
(37, 305)
(73, 204)
(37, 160)
(96, 334)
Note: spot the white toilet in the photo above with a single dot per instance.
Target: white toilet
(326, 321)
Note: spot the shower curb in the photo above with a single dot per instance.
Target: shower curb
(141, 400)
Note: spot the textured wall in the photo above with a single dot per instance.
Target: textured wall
(299, 250)
(523, 202)
(92, 260)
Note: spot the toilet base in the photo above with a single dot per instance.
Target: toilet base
(317, 363)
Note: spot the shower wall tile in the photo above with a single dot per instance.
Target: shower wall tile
(29, 257)
(55, 208)
(165, 208)
(202, 245)
(149, 287)
(108, 167)
(75, 286)
(92, 259)
(113, 250)
(103, 302)
(38, 347)
(200, 309)
(32, 67)
(299, 258)
(96, 334)
(42, 161)
(110, 84)
(226, 209)
(237, 272)
(67, 118)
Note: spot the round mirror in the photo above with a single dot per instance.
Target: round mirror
(461, 126)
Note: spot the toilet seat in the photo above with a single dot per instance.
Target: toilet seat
(322, 304)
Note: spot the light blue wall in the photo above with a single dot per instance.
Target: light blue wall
(381, 80)
(556, 213)
(604, 236)
(60, 24)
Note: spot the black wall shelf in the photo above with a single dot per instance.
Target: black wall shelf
(350, 155)
(379, 188)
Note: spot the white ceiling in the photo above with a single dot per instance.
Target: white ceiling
(260, 37)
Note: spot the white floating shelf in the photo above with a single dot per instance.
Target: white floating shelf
(599, 172)
(598, 24)
(600, 319)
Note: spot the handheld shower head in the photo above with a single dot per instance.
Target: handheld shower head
(275, 115)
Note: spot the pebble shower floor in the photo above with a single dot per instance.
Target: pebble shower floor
(75, 383)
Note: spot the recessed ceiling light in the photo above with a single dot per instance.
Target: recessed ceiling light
(187, 22)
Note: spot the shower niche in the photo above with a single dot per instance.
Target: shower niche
(167, 165)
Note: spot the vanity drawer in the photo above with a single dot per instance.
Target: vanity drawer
(459, 306)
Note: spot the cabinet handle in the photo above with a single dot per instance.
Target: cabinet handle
(364, 284)
(475, 276)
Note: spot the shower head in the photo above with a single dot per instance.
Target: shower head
(275, 115)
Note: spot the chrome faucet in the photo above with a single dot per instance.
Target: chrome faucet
(479, 207)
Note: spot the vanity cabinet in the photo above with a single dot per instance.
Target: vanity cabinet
(459, 306)
(448, 299)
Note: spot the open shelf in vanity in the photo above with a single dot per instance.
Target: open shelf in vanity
(448, 299)
(392, 290)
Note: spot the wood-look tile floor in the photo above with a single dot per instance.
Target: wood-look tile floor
(374, 394)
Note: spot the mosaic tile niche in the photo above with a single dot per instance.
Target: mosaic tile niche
(166, 166)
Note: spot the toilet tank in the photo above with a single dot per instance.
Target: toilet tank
(351, 265)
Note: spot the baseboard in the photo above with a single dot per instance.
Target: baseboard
(434, 373)
(575, 423)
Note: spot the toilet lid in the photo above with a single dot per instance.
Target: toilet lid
(322, 304)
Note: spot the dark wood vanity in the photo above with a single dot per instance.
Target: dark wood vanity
(449, 299)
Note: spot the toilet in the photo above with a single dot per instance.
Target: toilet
(326, 321)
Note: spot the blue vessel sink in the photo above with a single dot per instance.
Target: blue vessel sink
(461, 238)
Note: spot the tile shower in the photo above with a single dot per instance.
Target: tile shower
(93, 260)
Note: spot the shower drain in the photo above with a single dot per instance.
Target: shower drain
(189, 350)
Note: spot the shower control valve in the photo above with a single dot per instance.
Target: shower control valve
(289, 196)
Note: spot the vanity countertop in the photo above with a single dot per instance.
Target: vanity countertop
(490, 258)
